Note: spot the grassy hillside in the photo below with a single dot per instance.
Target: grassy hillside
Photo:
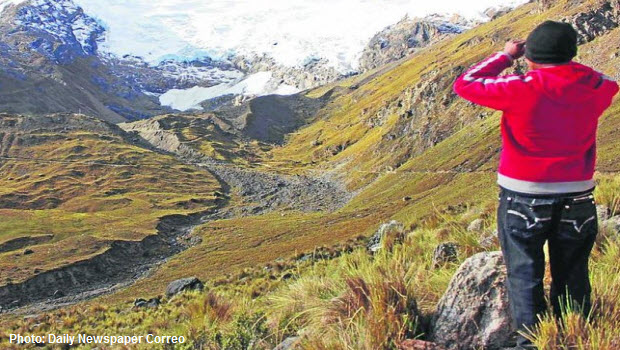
(414, 152)
(381, 122)
(73, 185)
(458, 169)
(198, 136)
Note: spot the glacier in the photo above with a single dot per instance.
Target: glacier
(290, 31)
(171, 34)
(256, 84)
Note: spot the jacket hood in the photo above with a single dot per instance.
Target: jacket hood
(570, 83)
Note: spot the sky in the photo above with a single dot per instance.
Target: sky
(291, 31)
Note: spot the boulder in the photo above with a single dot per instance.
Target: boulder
(496, 12)
(392, 227)
(444, 253)
(151, 303)
(474, 313)
(489, 240)
(184, 284)
(288, 344)
(612, 225)
(602, 212)
(416, 344)
(544, 5)
(476, 226)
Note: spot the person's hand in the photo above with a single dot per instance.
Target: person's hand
(515, 48)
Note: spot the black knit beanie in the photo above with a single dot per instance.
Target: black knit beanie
(551, 42)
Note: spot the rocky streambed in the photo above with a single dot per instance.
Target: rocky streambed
(125, 262)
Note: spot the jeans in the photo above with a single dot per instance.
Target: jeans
(568, 222)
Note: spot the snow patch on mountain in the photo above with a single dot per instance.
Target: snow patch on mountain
(5, 3)
(63, 20)
(288, 31)
(257, 84)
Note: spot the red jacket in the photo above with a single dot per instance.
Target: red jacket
(550, 116)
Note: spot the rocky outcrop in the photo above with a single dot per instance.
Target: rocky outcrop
(313, 73)
(596, 22)
(496, 12)
(416, 344)
(289, 343)
(48, 52)
(476, 225)
(184, 284)
(602, 212)
(392, 228)
(544, 5)
(474, 312)
(402, 39)
(22, 242)
(611, 227)
(489, 240)
(143, 303)
(160, 137)
(445, 253)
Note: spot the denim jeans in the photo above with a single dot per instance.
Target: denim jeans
(568, 222)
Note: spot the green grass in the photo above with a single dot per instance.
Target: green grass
(86, 206)
(350, 301)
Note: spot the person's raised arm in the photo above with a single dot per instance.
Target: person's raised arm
(482, 85)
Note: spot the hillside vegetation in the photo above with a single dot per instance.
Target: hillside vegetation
(72, 185)
(413, 152)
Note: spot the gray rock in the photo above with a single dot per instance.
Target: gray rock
(612, 224)
(184, 284)
(544, 5)
(602, 211)
(417, 344)
(594, 22)
(489, 240)
(405, 37)
(496, 12)
(444, 253)
(374, 244)
(474, 312)
(476, 225)
(151, 303)
(288, 344)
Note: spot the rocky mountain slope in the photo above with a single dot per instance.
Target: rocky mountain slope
(51, 63)
(56, 57)
(384, 120)
(403, 38)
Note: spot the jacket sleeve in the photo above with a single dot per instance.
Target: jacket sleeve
(482, 84)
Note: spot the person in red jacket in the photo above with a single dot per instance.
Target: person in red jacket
(546, 167)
